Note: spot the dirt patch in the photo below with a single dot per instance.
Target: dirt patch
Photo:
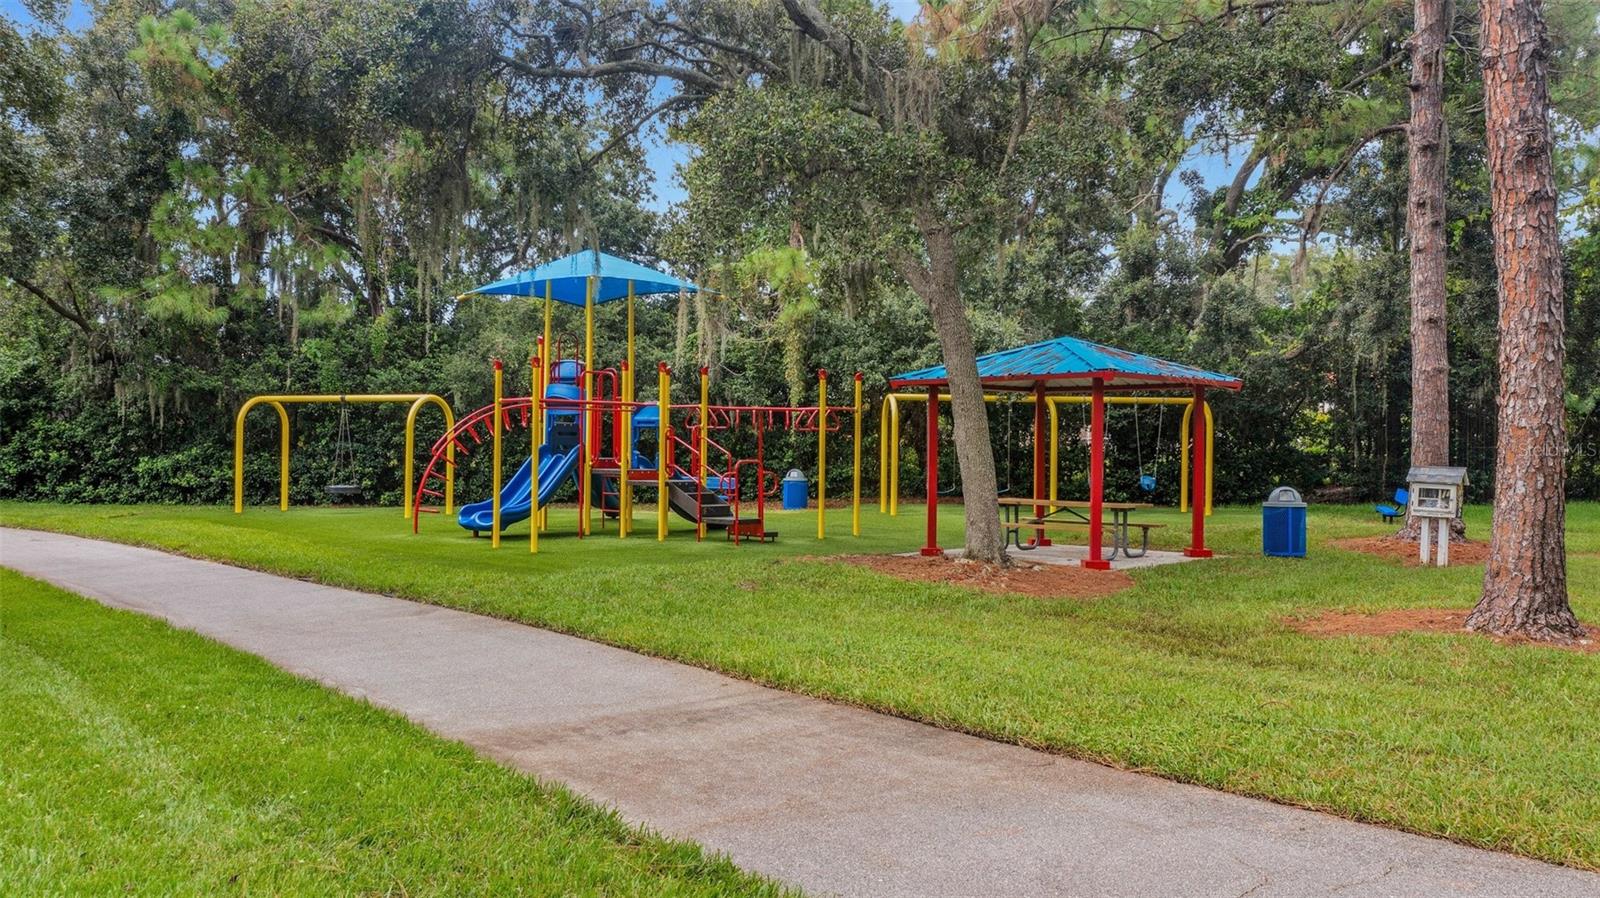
(1416, 620)
(1384, 623)
(1469, 552)
(1041, 581)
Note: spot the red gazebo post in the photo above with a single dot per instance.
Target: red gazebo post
(1097, 477)
(1197, 489)
(932, 453)
(1039, 537)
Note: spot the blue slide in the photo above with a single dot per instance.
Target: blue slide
(556, 466)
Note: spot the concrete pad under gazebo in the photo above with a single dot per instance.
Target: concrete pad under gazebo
(1071, 366)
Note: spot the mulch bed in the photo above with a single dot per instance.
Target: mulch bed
(1469, 552)
(1415, 620)
(1040, 581)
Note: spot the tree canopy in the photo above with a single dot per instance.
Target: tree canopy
(224, 199)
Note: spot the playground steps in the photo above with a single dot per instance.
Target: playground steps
(692, 501)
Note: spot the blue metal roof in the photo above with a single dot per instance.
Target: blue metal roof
(568, 279)
(1071, 363)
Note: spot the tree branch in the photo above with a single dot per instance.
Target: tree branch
(71, 315)
(619, 67)
(813, 23)
(624, 133)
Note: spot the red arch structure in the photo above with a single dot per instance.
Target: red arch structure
(1072, 366)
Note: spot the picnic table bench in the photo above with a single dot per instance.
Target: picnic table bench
(1119, 525)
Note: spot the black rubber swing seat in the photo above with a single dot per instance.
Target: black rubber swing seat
(344, 489)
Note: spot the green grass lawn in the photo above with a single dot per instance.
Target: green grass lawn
(1190, 675)
(143, 760)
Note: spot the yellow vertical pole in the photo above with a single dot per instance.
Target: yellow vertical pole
(449, 468)
(705, 429)
(625, 493)
(545, 350)
(822, 452)
(663, 428)
(238, 459)
(625, 462)
(535, 439)
(894, 460)
(283, 456)
(855, 494)
(1183, 457)
(1055, 449)
(1211, 454)
(590, 422)
(410, 465)
(884, 455)
(494, 524)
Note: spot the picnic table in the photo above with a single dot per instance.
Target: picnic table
(1072, 509)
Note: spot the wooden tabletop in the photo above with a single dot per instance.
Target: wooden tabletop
(1073, 503)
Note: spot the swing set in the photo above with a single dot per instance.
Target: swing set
(889, 428)
(343, 454)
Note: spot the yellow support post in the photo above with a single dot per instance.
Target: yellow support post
(1055, 448)
(822, 452)
(586, 479)
(546, 348)
(855, 495)
(705, 429)
(625, 497)
(663, 427)
(623, 463)
(283, 456)
(1183, 459)
(894, 463)
(884, 455)
(1183, 456)
(535, 439)
(499, 388)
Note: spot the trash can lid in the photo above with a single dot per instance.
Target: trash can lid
(794, 474)
(1284, 497)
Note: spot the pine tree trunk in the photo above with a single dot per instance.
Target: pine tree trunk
(1427, 150)
(939, 284)
(1525, 582)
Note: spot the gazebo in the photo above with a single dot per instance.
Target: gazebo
(1071, 366)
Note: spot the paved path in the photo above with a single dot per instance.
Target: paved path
(835, 799)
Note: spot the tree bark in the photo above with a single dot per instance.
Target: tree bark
(939, 284)
(1525, 581)
(1427, 149)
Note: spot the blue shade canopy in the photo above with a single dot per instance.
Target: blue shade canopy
(569, 277)
(1071, 364)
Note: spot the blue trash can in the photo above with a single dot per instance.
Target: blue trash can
(1283, 524)
(796, 491)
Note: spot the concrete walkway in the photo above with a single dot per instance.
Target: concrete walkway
(834, 799)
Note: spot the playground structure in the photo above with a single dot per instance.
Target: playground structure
(889, 427)
(587, 428)
(1062, 368)
(416, 401)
